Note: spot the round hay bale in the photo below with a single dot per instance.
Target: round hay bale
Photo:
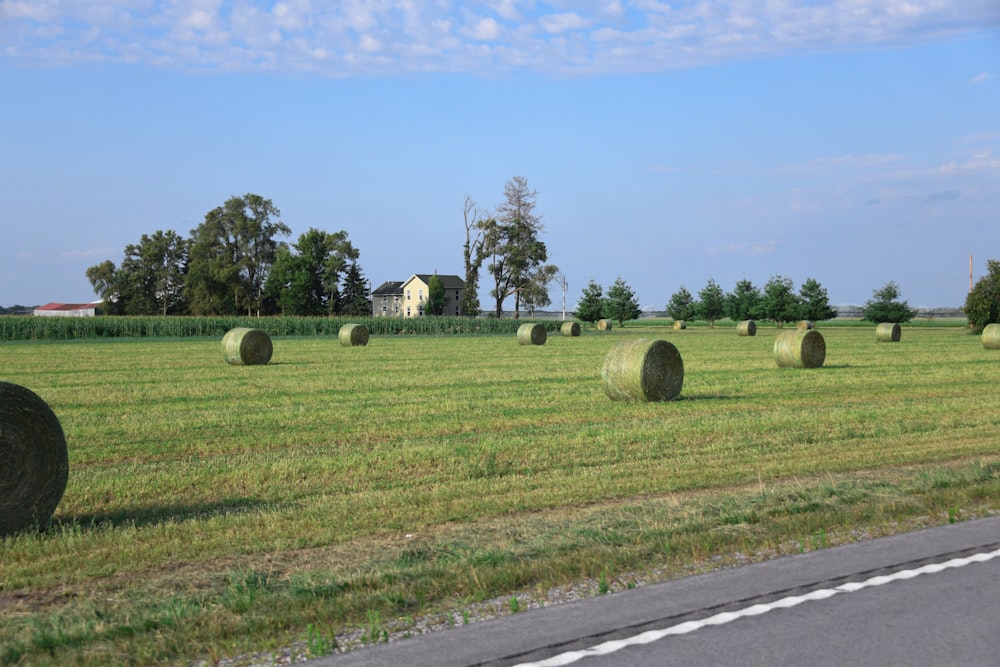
(604, 325)
(532, 334)
(746, 328)
(34, 464)
(570, 329)
(804, 325)
(243, 346)
(991, 337)
(643, 370)
(352, 335)
(800, 349)
(680, 324)
(887, 332)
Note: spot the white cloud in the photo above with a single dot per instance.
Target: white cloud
(485, 30)
(646, 36)
(745, 248)
(555, 23)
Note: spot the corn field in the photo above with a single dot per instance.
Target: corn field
(107, 326)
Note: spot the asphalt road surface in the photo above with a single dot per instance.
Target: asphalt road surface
(931, 597)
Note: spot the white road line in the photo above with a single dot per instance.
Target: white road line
(756, 610)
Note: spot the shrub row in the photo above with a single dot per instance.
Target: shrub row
(106, 326)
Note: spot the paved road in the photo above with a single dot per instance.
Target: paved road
(930, 597)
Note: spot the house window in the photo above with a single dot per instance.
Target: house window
(420, 311)
(420, 295)
(383, 310)
(383, 299)
(407, 311)
(395, 309)
(407, 295)
(456, 295)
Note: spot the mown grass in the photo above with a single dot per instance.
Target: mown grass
(215, 510)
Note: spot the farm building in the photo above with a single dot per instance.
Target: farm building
(68, 309)
(409, 297)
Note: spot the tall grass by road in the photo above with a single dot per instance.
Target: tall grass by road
(214, 510)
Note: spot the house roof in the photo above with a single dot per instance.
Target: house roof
(388, 288)
(67, 306)
(448, 281)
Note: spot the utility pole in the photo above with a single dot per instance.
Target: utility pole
(561, 280)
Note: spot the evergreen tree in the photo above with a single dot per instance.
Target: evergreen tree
(712, 302)
(779, 303)
(742, 302)
(682, 305)
(354, 296)
(621, 303)
(815, 305)
(885, 306)
(590, 308)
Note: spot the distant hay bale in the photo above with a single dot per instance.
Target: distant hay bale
(800, 349)
(643, 370)
(887, 332)
(746, 328)
(570, 329)
(352, 335)
(804, 325)
(604, 325)
(531, 334)
(991, 336)
(34, 464)
(680, 324)
(243, 346)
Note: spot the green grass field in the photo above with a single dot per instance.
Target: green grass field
(217, 510)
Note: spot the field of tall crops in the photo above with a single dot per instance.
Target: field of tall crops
(67, 328)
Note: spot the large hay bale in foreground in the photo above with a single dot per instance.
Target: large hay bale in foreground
(604, 325)
(352, 335)
(800, 349)
(888, 332)
(532, 334)
(804, 325)
(34, 464)
(643, 370)
(570, 329)
(680, 324)
(746, 328)
(991, 337)
(247, 347)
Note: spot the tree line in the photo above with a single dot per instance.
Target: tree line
(234, 263)
(777, 302)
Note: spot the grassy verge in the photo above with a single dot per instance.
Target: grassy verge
(216, 510)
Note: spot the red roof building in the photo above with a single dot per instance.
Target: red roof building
(67, 309)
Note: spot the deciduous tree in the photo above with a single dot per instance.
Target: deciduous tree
(982, 304)
(472, 256)
(231, 253)
(510, 241)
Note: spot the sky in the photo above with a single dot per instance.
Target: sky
(855, 142)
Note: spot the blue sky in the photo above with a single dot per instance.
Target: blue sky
(850, 141)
